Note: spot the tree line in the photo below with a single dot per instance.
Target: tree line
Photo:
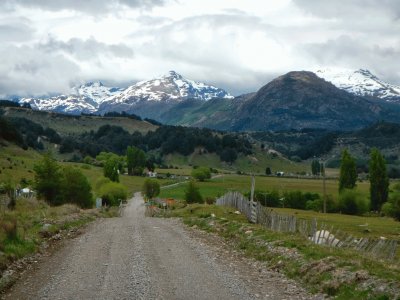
(379, 199)
(165, 140)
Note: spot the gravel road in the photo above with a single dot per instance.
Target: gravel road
(136, 257)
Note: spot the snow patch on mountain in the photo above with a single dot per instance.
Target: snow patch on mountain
(84, 98)
(362, 83)
(95, 91)
(90, 97)
(171, 86)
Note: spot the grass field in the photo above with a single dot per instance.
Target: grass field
(377, 226)
(358, 226)
(242, 183)
(16, 163)
(255, 163)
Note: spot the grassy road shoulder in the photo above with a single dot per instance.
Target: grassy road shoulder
(336, 272)
(32, 227)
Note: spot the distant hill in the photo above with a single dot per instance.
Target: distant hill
(71, 125)
(303, 100)
(295, 100)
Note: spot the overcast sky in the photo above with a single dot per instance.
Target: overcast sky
(46, 46)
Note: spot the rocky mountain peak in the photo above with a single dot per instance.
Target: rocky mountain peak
(173, 75)
(361, 82)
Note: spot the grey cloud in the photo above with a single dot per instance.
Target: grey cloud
(15, 32)
(29, 71)
(350, 9)
(349, 52)
(87, 49)
(152, 21)
(191, 49)
(213, 62)
(51, 67)
(87, 6)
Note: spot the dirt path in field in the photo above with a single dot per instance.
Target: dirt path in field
(135, 257)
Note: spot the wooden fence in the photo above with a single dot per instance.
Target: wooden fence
(318, 233)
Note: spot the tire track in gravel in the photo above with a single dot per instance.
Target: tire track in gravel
(136, 257)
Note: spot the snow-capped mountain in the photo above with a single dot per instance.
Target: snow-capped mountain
(94, 97)
(71, 104)
(84, 98)
(166, 88)
(95, 91)
(361, 83)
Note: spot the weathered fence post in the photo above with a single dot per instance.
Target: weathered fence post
(253, 204)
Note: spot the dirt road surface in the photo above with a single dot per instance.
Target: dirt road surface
(137, 257)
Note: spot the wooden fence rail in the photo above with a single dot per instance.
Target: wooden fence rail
(318, 233)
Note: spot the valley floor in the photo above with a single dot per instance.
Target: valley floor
(137, 257)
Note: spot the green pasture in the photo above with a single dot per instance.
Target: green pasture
(255, 163)
(358, 226)
(242, 183)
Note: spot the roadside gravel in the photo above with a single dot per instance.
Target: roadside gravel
(136, 257)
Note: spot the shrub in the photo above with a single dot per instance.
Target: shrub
(150, 188)
(298, 199)
(112, 193)
(318, 204)
(48, 180)
(210, 200)
(394, 203)
(110, 169)
(351, 203)
(9, 227)
(396, 187)
(266, 198)
(268, 171)
(100, 182)
(76, 188)
(201, 173)
(192, 193)
(387, 209)
(88, 160)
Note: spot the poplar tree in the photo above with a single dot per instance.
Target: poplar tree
(348, 172)
(379, 181)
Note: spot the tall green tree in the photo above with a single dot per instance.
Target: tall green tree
(192, 193)
(150, 188)
(111, 169)
(201, 173)
(268, 171)
(379, 181)
(130, 159)
(48, 180)
(348, 172)
(76, 188)
(317, 168)
(103, 157)
(135, 160)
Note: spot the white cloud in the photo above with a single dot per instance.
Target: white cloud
(238, 45)
(30, 71)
